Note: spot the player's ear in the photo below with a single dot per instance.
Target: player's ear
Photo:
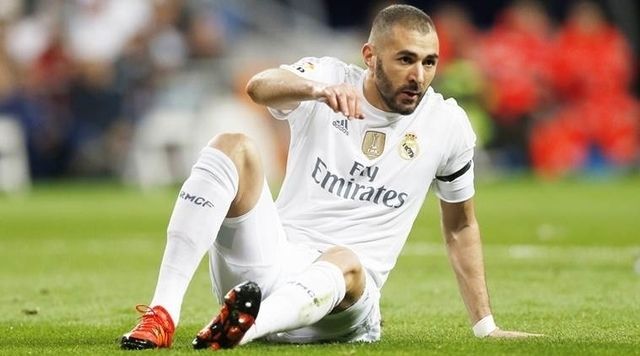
(368, 55)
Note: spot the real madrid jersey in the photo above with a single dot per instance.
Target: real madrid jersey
(361, 183)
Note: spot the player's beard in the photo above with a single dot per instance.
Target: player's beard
(389, 95)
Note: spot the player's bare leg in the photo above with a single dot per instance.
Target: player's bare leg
(226, 181)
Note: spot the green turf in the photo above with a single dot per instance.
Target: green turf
(75, 259)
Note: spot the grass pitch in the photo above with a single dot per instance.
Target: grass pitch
(562, 259)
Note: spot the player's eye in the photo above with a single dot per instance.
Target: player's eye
(406, 60)
(430, 62)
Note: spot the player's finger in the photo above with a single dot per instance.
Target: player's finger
(358, 112)
(352, 101)
(344, 105)
(332, 101)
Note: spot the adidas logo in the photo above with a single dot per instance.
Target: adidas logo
(342, 125)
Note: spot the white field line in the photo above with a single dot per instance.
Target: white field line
(591, 253)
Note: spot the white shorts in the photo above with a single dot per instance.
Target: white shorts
(255, 247)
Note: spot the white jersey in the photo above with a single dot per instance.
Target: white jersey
(361, 183)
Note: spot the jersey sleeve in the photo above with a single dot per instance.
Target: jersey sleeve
(326, 70)
(454, 180)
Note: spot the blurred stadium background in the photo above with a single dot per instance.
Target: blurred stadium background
(130, 90)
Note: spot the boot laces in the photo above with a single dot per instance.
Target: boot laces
(150, 321)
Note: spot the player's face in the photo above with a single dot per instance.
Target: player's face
(405, 65)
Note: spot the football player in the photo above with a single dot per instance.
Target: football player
(366, 146)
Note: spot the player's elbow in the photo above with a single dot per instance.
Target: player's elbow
(253, 90)
(260, 87)
(463, 231)
(451, 238)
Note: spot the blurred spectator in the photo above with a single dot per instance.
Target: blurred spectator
(459, 76)
(593, 57)
(595, 135)
(167, 48)
(515, 55)
(597, 125)
(457, 34)
(82, 76)
(29, 49)
(205, 32)
(97, 32)
(170, 75)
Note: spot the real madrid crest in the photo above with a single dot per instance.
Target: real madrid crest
(373, 144)
(306, 66)
(409, 146)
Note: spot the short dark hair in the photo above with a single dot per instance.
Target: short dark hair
(404, 15)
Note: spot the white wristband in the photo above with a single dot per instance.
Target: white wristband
(484, 326)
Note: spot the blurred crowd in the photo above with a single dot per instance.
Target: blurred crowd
(556, 97)
(79, 75)
(131, 88)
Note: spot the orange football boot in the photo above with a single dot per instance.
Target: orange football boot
(155, 330)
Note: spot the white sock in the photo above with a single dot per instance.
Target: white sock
(202, 204)
(300, 302)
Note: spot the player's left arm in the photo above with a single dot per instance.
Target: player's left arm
(464, 247)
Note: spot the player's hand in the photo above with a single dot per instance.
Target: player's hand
(505, 334)
(342, 98)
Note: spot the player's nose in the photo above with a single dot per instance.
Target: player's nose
(417, 74)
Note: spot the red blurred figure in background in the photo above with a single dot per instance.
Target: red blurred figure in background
(460, 76)
(592, 73)
(593, 57)
(515, 56)
(457, 34)
(597, 133)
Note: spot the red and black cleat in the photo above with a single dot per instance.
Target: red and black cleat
(237, 315)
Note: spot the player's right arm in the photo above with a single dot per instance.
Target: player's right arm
(281, 89)
(462, 235)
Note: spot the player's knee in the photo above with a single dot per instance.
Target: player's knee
(245, 156)
(352, 269)
(344, 258)
(239, 147)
